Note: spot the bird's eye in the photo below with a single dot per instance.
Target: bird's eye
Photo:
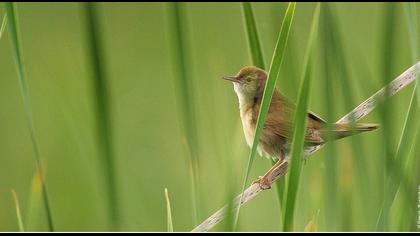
(248, 79)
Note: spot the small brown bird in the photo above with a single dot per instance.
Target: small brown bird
(275, 140)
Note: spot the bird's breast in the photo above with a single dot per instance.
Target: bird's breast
(270, 145)
(248, 125)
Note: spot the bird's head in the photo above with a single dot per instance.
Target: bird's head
(249, 82)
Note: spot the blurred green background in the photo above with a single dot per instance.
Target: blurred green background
(147, 138)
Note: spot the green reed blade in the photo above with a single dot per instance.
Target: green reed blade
(103, 107)
(170, 225)
(273, 73)
(300, 119)
(18, 213)
(253, 37)
(258, 60)
(15, 38)
(185, 97)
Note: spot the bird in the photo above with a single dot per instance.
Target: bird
(275, 141)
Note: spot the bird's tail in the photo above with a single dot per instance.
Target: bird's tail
(339, 131)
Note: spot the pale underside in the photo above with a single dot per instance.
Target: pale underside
(275, 139)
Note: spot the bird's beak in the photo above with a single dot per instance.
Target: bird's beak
(231, 78)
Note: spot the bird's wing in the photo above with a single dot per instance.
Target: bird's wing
(280, 119)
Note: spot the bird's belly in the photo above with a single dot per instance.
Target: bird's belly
(269, 147)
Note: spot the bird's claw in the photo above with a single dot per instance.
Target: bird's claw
(263, 182)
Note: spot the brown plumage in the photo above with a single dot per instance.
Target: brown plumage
(275, 140)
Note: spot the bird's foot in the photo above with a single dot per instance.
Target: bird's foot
(263, 182)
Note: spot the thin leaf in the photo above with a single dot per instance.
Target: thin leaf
(410, 128)
(3, 25)
(300, 119)
(333, 39)
(103, 109)
(34, 207)
(14, 32)
(18, 213)
(253, 37)
(170, 225)
(312, 225)
(258, 60)
(185, 97)
(387, 55)
(412, 22)
(331, 163)
(273, 73)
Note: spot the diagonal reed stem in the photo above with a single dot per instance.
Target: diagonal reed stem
(11, 10)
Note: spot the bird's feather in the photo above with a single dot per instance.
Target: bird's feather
(280, 119)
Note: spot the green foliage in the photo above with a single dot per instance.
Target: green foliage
(18, 213)
(300, 119)
(184, 92)
(253, 37)
(258, 60)
(168, 212)
(103, 110)
(164, 107)
(273, 73)
(15, 39)
(3, 25)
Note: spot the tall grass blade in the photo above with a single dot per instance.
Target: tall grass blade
(170, 225)
(18, 213)
(258, 60)
(253, 37)
(184, 90)
(300, 119)
(387, 55)
(330, 178)
(103, 107)
(410, 128)
(34, 204)
(337, 54)
(3, 25)
(14, 32)
(273, 73)
(413, 26)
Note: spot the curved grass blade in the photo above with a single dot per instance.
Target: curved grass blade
(3, 25)
(253, 37)
(103, 109)
(258, 60)
(273, 73)
(170, 225)
(184, 92)
(11, 10)
(300, 119)
(18, 213)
